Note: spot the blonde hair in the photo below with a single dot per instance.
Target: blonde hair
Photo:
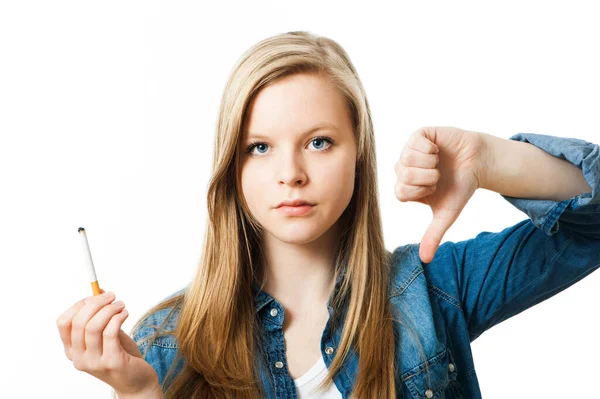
(217, 325)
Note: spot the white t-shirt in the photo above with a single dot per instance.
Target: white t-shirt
(309, 381)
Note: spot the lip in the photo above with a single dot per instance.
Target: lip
(299, 210)
(294, 202)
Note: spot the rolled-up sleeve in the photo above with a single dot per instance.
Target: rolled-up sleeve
(497, 275)
(547, 215)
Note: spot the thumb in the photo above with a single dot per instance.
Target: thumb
(432, 238)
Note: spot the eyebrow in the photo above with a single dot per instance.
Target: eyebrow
(309, 131)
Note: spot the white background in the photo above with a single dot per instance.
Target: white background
(107, 117)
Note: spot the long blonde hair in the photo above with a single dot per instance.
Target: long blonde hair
(218, 327)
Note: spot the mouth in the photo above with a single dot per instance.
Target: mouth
(298, 210)
(294, 202)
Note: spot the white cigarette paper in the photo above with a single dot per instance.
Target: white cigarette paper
(89, 264)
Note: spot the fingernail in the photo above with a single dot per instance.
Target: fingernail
(118, 303)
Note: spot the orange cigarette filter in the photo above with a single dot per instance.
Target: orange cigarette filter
(89, 264)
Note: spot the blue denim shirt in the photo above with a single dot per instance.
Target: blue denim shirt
(466, 289)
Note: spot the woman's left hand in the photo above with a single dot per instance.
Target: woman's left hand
(444, 180)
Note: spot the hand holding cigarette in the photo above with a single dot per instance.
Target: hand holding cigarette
(94, 341)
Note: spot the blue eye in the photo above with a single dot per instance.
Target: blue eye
(321, 140)
(261, 146)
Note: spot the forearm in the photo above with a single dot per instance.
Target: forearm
(522, 170)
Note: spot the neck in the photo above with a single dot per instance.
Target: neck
(300, 276)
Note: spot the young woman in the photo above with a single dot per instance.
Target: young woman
(295, 290)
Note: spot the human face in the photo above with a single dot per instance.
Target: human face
(291, 161)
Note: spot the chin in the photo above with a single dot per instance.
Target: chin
(297, 233)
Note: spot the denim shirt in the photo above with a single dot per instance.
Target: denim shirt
(466, 289)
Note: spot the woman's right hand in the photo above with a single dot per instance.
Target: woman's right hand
(91, 334)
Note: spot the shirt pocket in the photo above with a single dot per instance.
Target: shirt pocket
(434, 379)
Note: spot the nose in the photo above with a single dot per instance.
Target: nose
(291, 169)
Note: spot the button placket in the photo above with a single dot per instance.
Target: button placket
(275, 336)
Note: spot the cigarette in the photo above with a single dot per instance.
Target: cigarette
(89, 264)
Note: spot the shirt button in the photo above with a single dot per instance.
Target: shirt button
(273, 312)
(278, 365)
(451, 367)
(429, 394)
(329, 350)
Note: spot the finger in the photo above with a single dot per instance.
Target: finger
(426, 252)
(432, 238)
(407, 192)
(419, 142)
(92, 305)
(410, 157)
(428, 246)
(419, 176)
(96, 326)
(64, 323)
(111, 342)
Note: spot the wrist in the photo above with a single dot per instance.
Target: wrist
(154, 392)
(487, 160)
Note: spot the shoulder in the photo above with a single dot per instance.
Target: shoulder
(405, 267)
(437, 277)
(157, 327)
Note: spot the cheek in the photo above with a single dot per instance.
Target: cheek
(254, 188)
(338, 182)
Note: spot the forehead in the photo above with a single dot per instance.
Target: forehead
(296, 105)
